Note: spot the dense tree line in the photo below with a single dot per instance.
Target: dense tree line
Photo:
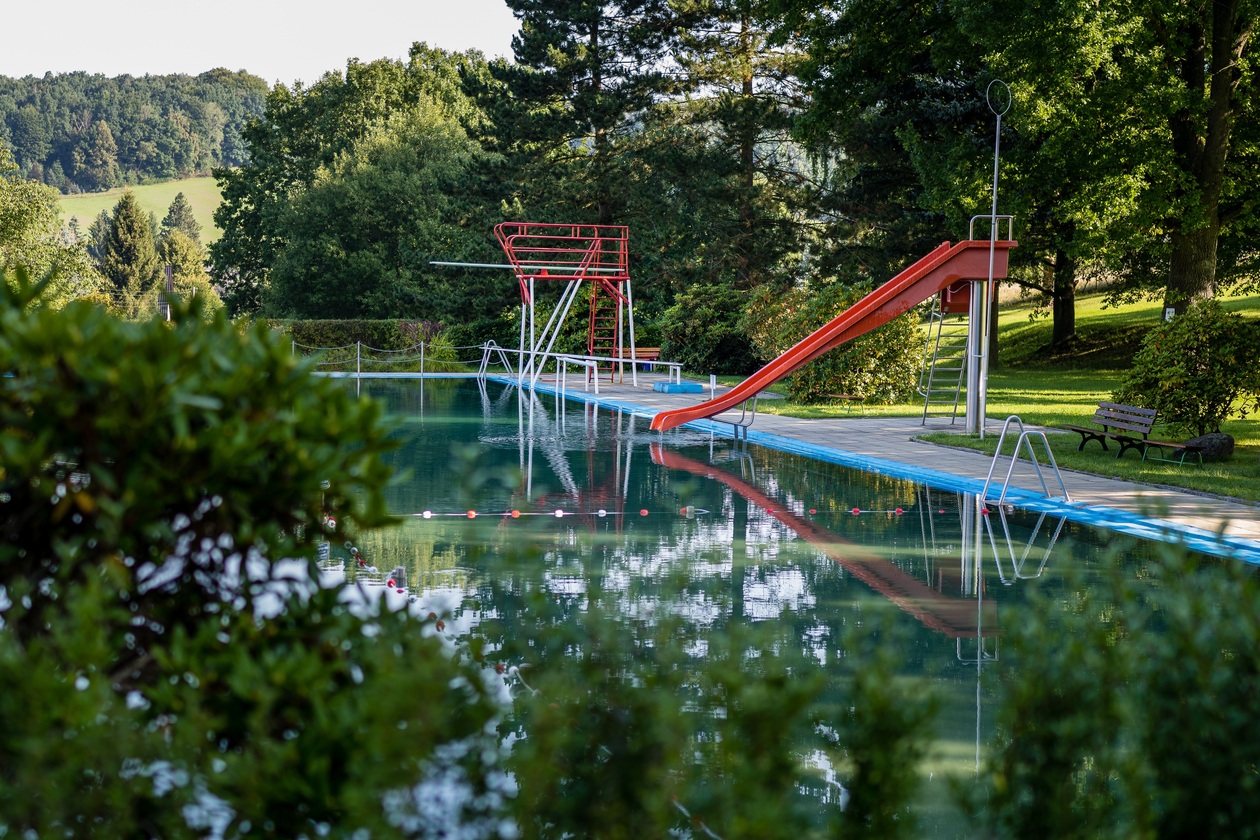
(86, 132)
(747, 143)
(753, 142)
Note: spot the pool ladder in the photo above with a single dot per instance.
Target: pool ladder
(1024, 442)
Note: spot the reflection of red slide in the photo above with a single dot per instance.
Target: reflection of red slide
(956, 618)
(968, 260)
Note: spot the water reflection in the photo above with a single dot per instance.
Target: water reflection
(711, 535)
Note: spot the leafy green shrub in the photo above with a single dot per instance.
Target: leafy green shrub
(386, 335)
(1129, 710)
(704, 330)
(881, 367)
(168, 667)
(1197, 369)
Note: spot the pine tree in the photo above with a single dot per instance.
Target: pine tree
(179, 216)
(98, 235)
(130, 260)
(743, 92)
(583, 69)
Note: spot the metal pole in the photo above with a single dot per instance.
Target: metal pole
(981, 304)
(634, 359)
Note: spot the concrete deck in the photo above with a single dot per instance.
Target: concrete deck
(887, 445)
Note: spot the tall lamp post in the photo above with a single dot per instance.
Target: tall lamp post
(998, 97)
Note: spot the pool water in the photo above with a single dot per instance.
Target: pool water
(504, 493)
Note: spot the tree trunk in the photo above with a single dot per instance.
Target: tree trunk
(603, 192)
(1192, 275)
(1215, 47)
(1063, 302)
(747, 159)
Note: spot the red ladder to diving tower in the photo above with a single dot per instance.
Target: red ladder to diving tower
(576, 254)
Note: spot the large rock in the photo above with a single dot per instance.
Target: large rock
(1216, 446)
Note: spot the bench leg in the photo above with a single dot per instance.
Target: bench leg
(1086, 437)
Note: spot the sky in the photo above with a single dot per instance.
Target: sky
(280, 40)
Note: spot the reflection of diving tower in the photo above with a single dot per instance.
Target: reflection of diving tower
(602, 489)
(595, 254)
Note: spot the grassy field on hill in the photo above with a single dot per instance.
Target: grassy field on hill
(202, 194)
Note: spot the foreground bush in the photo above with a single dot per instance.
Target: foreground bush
(168, 668)
(1131, 709)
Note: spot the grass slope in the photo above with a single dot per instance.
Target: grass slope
(202, 194)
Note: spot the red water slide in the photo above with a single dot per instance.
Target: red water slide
(967, 260)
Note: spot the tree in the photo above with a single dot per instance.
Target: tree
(584, 69)
(303, 130)
(187, 259)
(1072, 168)
(359, 239)
(158, 124)
(179, 216)
(95, 159)
(30, 237)
(165, 645)
(1162, 93)
(1206, 86)
(871, 73)
(743, 92)
(28, 133)
(129, 261)
(98, 235)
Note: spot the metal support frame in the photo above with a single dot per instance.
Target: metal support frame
(577, 254)
(1017, 565)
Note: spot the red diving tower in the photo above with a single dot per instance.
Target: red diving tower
(574, 254)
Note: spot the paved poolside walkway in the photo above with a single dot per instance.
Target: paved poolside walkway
(887, 444)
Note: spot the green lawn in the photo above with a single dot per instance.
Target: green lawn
(1048, 391)
(202, 194)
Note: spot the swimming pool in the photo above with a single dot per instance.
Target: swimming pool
(503, 493)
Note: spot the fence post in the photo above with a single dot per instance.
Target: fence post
(422, 358)
(358, 359)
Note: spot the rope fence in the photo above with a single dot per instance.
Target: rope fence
(425, 357)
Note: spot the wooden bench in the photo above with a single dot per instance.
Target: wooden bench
(1120, 423)
(641, 354)
(1180, 450)
(1130, 426)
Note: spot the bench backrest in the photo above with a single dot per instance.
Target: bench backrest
(1130, 418)
(642, 354)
